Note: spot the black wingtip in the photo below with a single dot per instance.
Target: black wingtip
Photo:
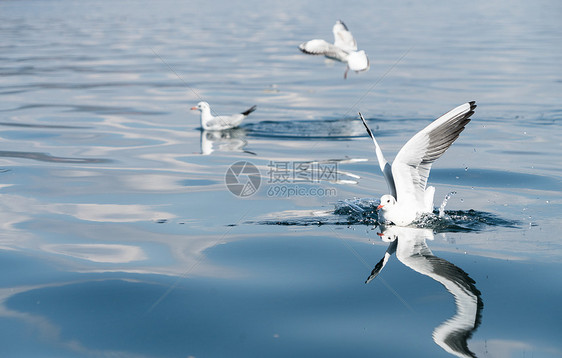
(303, 49)
(250, 110)
(472, 108)
(344, 26)
(375, 272)
(366, 126)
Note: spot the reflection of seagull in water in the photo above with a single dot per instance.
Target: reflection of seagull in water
(407, 176)
(344, 49)
(229, 140)
(210, 122)
(411, 249)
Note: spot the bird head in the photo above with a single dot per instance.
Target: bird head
(386, 202)
(201, 106)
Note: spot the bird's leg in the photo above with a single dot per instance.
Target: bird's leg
(345, 73)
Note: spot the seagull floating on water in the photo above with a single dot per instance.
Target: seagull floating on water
(344, 49)
(407, 176)
(218, 123)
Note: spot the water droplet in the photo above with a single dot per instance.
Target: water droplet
(465, 169)
(548, 201)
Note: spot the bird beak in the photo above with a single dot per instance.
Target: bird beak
(193, 108)
(380, 234)
(379, 207)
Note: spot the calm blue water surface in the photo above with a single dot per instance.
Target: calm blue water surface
(119, 237)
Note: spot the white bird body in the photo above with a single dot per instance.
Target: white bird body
(217, 123)
(344, 49)
(407, 176)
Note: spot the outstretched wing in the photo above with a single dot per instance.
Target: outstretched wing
(321, 47)
(383, 164)
(412, 164)
(343, 37)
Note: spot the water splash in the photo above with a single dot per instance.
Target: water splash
(444, 203)
(471, 220)
(352, 212)
(359, 211)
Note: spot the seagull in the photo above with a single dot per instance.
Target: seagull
(219, 123)
(407, 176)
(344, 49)
(410, 246)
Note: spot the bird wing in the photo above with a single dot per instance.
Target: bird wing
(412, 164)
(224, 122)
(322, 47)
(451, 335)
(382, 263)
(383, 164)
(234, 120)
(343, 37)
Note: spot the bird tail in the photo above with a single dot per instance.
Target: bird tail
(253, 108)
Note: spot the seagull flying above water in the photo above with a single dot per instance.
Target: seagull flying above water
(407, 175)
(344, 49)
(210, 122)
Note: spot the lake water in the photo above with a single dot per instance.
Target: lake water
(120, 237)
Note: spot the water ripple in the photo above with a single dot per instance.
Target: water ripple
(45, 157)
(310, 129)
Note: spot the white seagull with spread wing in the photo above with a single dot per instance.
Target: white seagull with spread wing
(407, 176)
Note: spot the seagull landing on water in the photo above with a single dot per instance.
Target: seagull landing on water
(212, 123)
(344, 49)
(407, 176)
